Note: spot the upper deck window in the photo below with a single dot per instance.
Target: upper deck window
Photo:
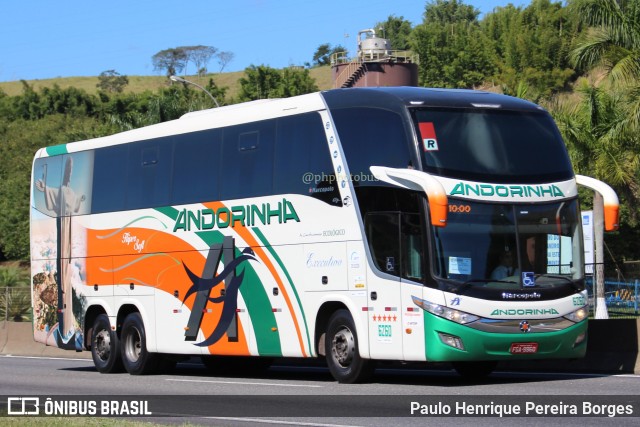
(489, 145)
(372, 137)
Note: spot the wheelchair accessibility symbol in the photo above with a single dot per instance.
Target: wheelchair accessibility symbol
(528, 279)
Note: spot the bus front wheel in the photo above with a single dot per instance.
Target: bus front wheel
(135, 357)
(105, 346)
(343, 357)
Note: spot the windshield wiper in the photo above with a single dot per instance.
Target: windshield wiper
(558, 276)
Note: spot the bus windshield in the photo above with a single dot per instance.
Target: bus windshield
(492, 145)
(509, 246)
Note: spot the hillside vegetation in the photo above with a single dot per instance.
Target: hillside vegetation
(544, 52)
(138, 84)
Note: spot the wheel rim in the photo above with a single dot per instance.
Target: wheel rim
(133, 345)
(343, 347)
(103, 345)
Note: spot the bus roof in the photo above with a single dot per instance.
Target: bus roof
(390, 97)
(380, 97)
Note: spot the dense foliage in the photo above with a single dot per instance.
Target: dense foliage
(580, 59)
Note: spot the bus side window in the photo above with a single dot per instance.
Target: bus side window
(149, 174)
(302, 161)
(395, 241)
(247, 160)
(383, 234)
(196, 165)
(412, 249)
(110, 179)
(371, 137)
(47, 174)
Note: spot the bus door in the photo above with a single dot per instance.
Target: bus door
(383, 283)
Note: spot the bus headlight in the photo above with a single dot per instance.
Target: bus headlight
(579, 315)
(445, 312)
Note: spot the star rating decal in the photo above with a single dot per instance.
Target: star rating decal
(385, 318)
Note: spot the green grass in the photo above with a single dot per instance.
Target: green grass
(137, 84)
(32, 421)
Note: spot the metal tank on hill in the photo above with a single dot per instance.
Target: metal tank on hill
(376, 64)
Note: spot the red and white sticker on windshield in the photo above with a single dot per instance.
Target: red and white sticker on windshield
(428, 133)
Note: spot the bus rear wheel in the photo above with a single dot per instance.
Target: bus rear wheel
(105, 347)
(135, 357)
(343, 356)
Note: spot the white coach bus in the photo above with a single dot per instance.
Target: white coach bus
(405, 224)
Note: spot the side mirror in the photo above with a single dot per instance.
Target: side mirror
(609, 197)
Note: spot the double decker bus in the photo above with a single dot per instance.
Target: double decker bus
(358, 225)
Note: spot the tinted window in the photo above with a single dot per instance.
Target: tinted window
(110, 179)
(247, 160)
(395, 241)
(302, 161)
(196, 164)
(492, 145)
(47, 174)
(149, 182)
(371, 137)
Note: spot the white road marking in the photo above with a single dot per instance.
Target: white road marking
(245, 383)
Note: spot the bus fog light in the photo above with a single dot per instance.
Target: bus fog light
(580, 339)
(451, 340)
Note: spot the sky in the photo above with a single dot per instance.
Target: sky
(41, 39)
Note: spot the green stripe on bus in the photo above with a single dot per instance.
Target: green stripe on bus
(262, 317)
(273, 253)
(253, 293)
(56, 150)
(169, 211)
(257, 301)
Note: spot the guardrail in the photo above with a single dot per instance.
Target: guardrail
(622, 298)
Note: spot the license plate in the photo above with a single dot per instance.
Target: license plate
(524, 348)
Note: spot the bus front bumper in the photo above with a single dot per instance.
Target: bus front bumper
(447, 341)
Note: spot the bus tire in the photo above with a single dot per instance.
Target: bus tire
(135, 357)
(105, 346)
(343, 356)
(475, 370)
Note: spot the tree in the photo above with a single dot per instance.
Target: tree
(200, 56)
(599, 141)
(172, 60)
(453, 50)
(224, 58)
(613, 43)
(323, 53)
(397, 31)
(260, 82)
(532, 46)
(296, 82)
(112, 81)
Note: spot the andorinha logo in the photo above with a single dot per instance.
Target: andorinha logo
(243, 215)
(524, 312)
(490, 190)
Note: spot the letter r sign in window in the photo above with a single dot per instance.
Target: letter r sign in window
(428, 133)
